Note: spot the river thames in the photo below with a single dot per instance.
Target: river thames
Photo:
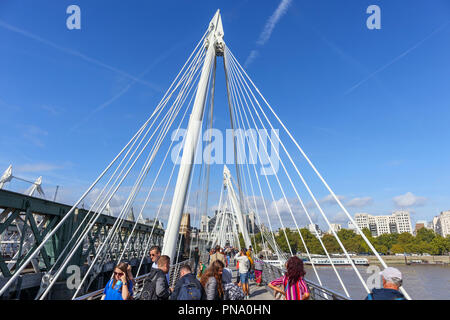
(422, 282)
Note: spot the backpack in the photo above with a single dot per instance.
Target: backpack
(189, 291)
(233, 292)
(149, 288)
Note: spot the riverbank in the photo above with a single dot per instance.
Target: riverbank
(429, 260)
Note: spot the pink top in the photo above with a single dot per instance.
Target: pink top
(294, 291)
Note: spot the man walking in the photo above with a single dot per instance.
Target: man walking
(188, 287)
(244, 266)
(196, 255)
(155, 285)
(217, 255)
(155, 254)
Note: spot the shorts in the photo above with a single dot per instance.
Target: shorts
(244, 277)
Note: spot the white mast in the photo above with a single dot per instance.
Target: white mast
(236, 206)
(214, 45)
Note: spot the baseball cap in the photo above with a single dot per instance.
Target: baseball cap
(390, 273)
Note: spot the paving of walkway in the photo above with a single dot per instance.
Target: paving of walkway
(256, 292)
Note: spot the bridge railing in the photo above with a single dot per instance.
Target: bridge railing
(317, 292)
(174, 275)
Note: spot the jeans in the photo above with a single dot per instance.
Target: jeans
(244, 277)
(195, 268)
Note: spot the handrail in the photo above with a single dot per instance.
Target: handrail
(317, 292)
(174, 274)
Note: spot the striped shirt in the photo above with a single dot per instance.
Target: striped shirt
(294, 291)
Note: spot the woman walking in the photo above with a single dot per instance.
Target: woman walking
(293, 287)
(259, 265)
(211, 280)
(120, 287)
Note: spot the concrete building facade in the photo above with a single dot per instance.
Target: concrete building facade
(398, 222)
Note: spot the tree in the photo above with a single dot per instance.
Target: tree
(425, 234)
(331, 244)
(405, 238)
(387, 240)
(397, 248)
(439, 245)
(258, 242)
(241, 240)
(346, 234)
(381, 248)
(283, 244)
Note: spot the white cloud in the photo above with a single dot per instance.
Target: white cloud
(341, 218)
(409, 200)
(329, 199)
(359, 202)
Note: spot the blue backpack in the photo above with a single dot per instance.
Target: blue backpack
(190, 291)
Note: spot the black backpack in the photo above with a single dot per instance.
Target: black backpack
(149, 288)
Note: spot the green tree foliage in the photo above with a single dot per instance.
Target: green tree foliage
(426, 235)
(331, 244)
(426, 241)
(283, 244)
(386, 240)
(257, 242)
(439, 245)
(241, 240)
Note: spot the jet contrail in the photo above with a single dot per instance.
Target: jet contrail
(76, 54)
(273, 20)
(268, 29)
(397, 58)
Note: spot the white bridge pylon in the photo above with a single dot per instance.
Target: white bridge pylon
(236, 206)
(229, 213)
(214, 46)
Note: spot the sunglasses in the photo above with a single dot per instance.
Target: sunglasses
(118, 274)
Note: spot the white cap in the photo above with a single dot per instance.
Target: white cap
(390, 273)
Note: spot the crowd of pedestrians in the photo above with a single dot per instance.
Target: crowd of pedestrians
(213, 279)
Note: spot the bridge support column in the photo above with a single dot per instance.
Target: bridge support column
(190, 142)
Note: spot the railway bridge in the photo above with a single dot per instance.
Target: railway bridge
(26, 220)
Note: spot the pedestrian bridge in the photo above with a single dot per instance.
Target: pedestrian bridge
(263, 292)
(279, 197)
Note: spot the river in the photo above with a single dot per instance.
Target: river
(422, 282)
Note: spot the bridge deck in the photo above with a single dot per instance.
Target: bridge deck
(256, 292)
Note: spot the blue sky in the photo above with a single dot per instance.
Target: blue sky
(370, 107)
